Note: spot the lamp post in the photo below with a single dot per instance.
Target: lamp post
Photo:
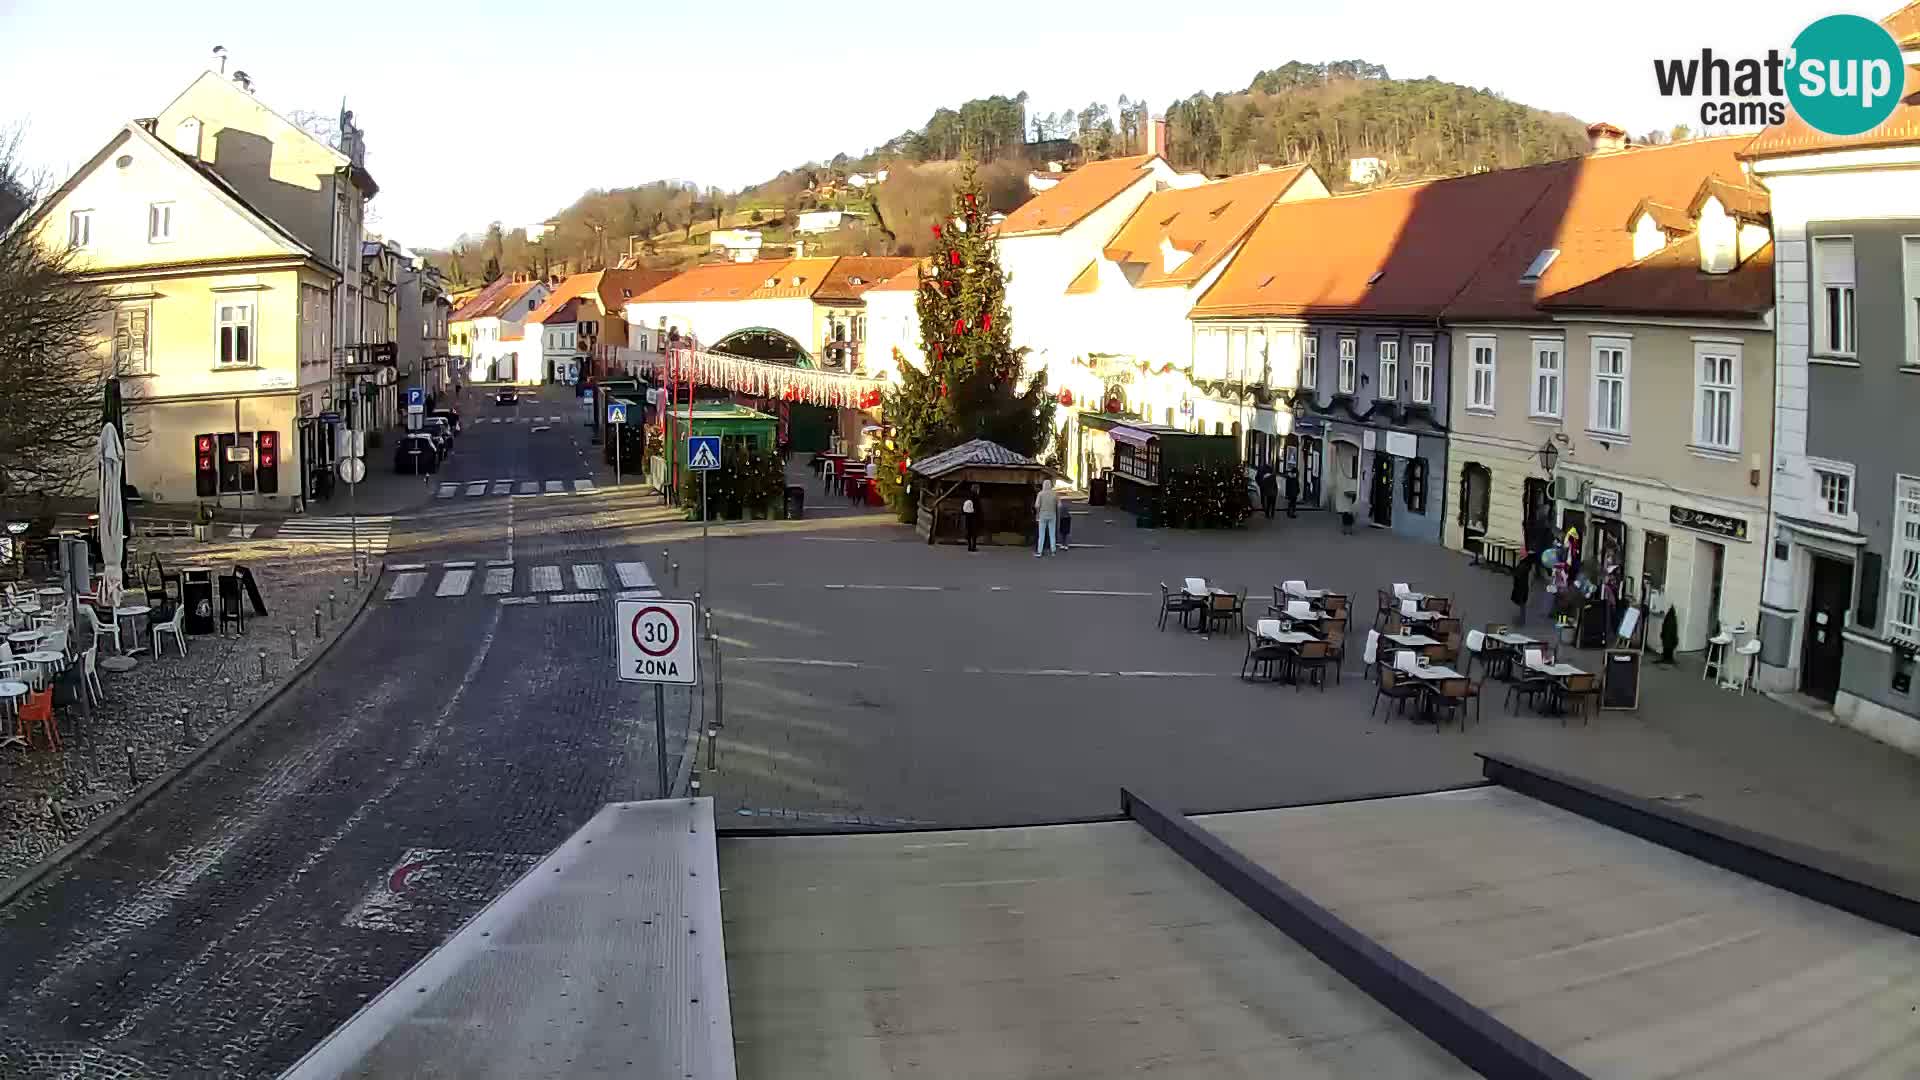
(1549, 457)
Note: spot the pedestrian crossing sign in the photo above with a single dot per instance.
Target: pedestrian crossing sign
(616, 412)
(703, 452)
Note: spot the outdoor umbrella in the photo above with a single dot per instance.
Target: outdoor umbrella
(113, 515)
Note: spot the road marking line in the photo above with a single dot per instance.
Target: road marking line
(408, 566)
(1085, 545)
(499, 581)
(582, 487)
(541, 428)
(589, 576)
(640, 594)
(843, 539)
(1071, 672)
(529, 487)
(465, 564)
(799, 661)
(633, 575)
(499, 562)
(555, 487)
(447, 491)
(477, 487)
(546, 579)
(503, 487)
(405, 585)
(1095, 592)
(907, 588)
(574, 597)
(836, 586)
(519, 600)
(556, 418)
(455, 583)
(768, 585)
(1166, 674)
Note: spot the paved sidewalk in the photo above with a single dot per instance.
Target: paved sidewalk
(158, 714)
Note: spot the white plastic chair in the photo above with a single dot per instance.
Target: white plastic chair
(1294, 586)
(1406, 660)
(57, 642)
(1535, 657)
(101, 629)
(1750, 649)
(1400, 589)
(1300, 609)
(1371, 654)
(1409, 608)
(12, 667)
(1197, 586)
(90, 673)
(1267, 628)
(175, 627)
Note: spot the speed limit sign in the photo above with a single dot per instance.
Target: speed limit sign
(654, 641)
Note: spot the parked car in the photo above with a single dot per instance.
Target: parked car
(416, 452)
(506, 395)
(442, 431)
(451, 416)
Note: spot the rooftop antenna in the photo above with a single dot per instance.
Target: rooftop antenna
(220, 54)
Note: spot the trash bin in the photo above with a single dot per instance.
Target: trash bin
(196, 591)
(796, 503)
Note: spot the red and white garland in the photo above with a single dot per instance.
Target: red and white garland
(765, 378)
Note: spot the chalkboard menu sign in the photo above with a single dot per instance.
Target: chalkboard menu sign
(1620, 679)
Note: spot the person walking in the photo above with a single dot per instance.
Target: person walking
(970, 509)
(1269, 489)
(1046, 513)
(1293, 487)
(1065, 532)
(1522, 581)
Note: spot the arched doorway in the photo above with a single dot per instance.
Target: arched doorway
(764, 343)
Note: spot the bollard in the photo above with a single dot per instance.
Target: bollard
(665, 560)
(263, 663)
(316, 622)
(226, 685)
(293, 644)
(331, 613)
(133, 767)
(676, 575)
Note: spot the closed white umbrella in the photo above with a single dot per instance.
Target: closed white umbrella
(113, 521)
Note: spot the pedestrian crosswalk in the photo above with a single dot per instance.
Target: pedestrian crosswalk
(557, 583)
(373, 532)
(517, 418)
(473, 489)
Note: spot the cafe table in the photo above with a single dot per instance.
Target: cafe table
(1292, 639)
(1556, 671)
(134, 612)
(27, 637)
(1306, 594)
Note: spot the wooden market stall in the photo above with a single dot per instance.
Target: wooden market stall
(1144, 454)
(1003, 484)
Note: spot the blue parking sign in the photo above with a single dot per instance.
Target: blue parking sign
(416, 396)
(703, 452)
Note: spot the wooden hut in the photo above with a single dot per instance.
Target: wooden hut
(1005, 482)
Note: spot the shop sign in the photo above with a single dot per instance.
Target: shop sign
(1403, 444)
(1726, 525)
(1604, 499)
(1309, 426)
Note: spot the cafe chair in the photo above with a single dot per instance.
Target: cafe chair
(100, 630)
(1441, 604)
(174, 628)
(1336, 637)
(1175, 603)
(1336, 605)
(1228, 609)
(1294, 586)
(1395, 686)
(37, 711)
(1310, 656)
(1261, 652)
(1450, 698)
(1476, 650)
(1409, 609)
(1401, 591)
(1299, 611)
(1528, 683)
(1386, 608)
(1750, 651)
(1370, 654)
(1581, 692)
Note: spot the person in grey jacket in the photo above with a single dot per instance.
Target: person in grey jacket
(1046, 513)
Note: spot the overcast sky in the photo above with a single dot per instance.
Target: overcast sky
(484, 110)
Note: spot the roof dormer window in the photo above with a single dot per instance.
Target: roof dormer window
(856, 280)
(1539, 265)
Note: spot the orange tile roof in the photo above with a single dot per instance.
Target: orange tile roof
(713, 281)
(853, 275)
(794, 279)
(616, 287)
(1402, 250)
(1670, 282)
(1581, 217)
(1078, 194)
(490, 303)
(1737, 199)
(1669, 218)
(904, 280)
(1086, 281)
(570, 287)
(481, 299)
(1796, 136)
(1205, 222)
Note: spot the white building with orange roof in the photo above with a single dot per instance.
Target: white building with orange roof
(494, 324)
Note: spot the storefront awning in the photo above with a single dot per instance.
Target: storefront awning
(1131, 436)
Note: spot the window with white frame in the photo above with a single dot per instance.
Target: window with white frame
(1910, 258)
(160, 223)
(79, 229)
(1480, 372)
(1309, 360)
(1835, 492)
(1612, 360)
(1716, 399)
(1349, 364)
(1833, 294)
(1545, 400)
(1389, 387)
(1903, 615)
(1236, 355)
(1423, 372)
(234, 332)
(131, 337)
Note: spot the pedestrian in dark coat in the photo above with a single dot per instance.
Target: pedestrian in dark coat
(1522, 580)
(1293, 489)
(970, 509)
(1269, 489)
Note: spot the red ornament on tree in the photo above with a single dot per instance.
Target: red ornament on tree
(936, 230)
(959, 326)
(939, 352)
(986, 322)
(943, 389)
(1066, 397)
(953, 257)
(971, 198)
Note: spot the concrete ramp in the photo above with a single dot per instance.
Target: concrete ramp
(606, 959)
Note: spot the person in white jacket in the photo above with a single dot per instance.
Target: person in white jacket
(1046, 512)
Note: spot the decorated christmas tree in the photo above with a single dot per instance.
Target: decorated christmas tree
(969, 383)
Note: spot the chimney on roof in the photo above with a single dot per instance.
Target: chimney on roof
(1156, 135)
(1605, 138)
(799, 249)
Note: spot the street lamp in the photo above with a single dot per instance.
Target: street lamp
(1549, 456)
